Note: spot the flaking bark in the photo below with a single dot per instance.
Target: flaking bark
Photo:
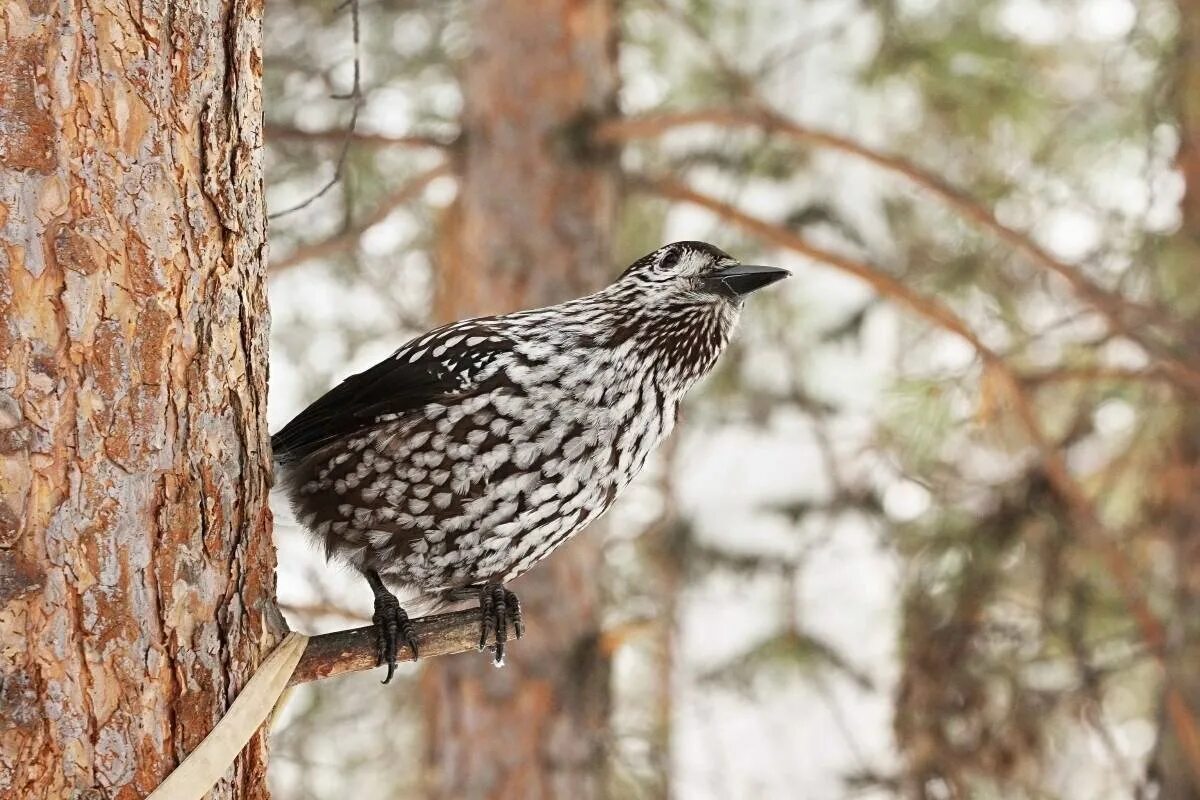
(136, 564)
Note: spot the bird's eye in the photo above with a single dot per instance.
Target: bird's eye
(670, 258)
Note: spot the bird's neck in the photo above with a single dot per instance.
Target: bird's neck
(670, 341)
(675, 342)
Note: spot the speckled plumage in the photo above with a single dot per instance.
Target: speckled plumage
(476, 449)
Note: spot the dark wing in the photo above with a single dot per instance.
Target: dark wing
(441, 365)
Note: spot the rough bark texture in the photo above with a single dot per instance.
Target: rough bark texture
(136, 563)
(532, 225)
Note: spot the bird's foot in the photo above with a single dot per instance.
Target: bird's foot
(392, 625)
(496, 606)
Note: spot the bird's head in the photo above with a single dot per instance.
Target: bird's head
(681, 304)
(696, 272)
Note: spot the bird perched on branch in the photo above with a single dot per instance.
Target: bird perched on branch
(468, 455)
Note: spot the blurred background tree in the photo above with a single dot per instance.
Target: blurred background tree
(930, 529)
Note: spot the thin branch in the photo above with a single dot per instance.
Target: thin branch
(356, 98)
(322, 609)
(1092, 374)
(356, 650)
(888, 285)
(654, 125)
(347, 238)
(375, 140)
(1123, 315)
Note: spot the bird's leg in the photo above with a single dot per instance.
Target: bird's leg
(496, 605)
(390, 621)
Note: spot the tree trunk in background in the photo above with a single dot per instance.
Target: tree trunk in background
(532, 225)
(136, 563)
(1179, 492)
(1187, 99)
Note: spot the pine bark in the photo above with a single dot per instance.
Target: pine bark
(532, 225)
(136, 563)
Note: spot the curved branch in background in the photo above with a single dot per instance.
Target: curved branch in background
(1122, 314)
(654, 125)
(273, 133)
(357, 649)
(346, 238)
(1087, 522)
(885, 284)
(1092, 374)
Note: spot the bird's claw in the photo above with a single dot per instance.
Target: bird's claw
(391, 624)
(496, 606)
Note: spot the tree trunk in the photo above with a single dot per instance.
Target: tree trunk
(532, 225)
(136, 563)
(1177, 757)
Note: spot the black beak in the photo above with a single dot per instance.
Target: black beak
(742, 279)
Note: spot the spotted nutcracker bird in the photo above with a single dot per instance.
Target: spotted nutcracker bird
(466, 457)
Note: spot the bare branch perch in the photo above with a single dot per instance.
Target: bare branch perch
(356, 650)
